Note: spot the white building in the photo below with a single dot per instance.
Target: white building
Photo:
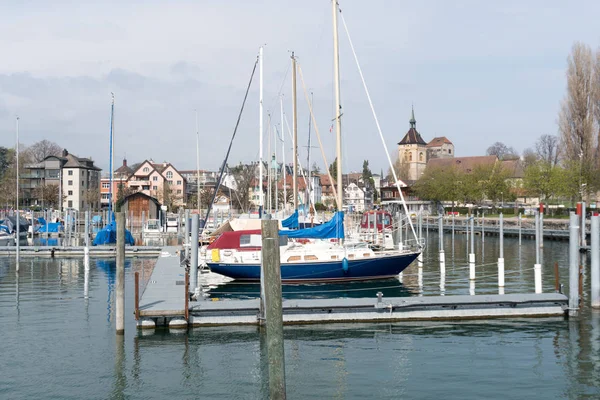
(80, 182)
(354, 198)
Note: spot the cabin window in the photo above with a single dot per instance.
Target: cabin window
(310, 257)
(250, 240)
(371, 218)
(293, 258)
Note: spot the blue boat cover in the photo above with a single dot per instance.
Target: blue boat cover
(291, 222)
(51, 227)
(108, 235)
(332, 229)
(42, 221)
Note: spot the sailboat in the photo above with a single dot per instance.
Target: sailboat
(108, 234)
(310, 255)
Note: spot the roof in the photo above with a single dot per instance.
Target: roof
(412, 137)
(514, 168)
(467, 164)
(126, 198)
(438, 141)
(76, 162)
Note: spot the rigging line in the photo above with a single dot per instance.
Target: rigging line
(312, 115)
(279, 92)
(297, 159)
(387, 153)
(231, 143)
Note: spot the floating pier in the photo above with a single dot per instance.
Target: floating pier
(79, 251)
(165, 303)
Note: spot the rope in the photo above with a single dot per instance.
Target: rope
(231, 142)
(312, 116)
(387, 153)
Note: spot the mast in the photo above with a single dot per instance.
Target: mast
(309, 199)
(18, 218)
(283, 157)
(295, 132)
(197, 163)
(260, 134)
(338, 107)
(110, 161)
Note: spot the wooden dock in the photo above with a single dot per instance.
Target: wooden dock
(164, 303)
(79, 251)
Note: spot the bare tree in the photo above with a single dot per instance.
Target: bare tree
(576, 119)
(502, 151)
(244, 177)
(547, 149)
(530, 157)
(39, 151)
(402, 171)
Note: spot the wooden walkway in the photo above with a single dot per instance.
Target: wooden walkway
(165, 292)
(78, 251)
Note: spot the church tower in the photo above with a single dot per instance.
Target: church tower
(412, 151)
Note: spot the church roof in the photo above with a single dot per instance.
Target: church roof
(412, 136)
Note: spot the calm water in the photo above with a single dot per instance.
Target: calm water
(59, 344)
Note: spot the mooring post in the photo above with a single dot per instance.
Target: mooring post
(573, 264)
(274, 310)
(537, 268)
(194, 256)
(467, 237)
(595, 273)
(399, 231)
(420, 256)
(583, 225)
(541, 229)
(472, 253)
(186, 238)
(87, 233)
(143, 222)
(519, 229)
(136, 306)
(120, 286)
(501, 256)
(441, 240)
(482, 227)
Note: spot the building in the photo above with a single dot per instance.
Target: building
(354, 198)
(159, 180)
(120, 177)
(412, 151)
(140, 204)
(440, 147)
(77, 180)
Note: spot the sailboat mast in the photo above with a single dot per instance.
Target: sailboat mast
(112, 152)
(197, 164)
(260, 129)
(338, 107)
(295, 132)
(309, 188)
(283, 156)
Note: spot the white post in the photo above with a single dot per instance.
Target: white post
(595, 273)
(573, 265)
(441, 240)
(472, 253)
(583, 224)
(338, 106)
(537, 268)
(482, 227)
(519, 229)
(87, 233)
(501, 258)
(194, 255)
(283, 158)
(541, 243)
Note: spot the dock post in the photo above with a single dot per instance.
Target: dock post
(194, 256)
(142, 229)
(87, 233)
(537, 268)
(136, 307)
(583, 238)
(519, 229)
(274, 311)
(399, 231)
(595, 273)
(574, 264)
(482, 227)
(501, 257)
(186, 239)
(420, 256)
(467, 237)
(441, 240)
(120, 285)
(472, 253)
(541, 230)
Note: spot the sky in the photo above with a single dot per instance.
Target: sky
(476, 72)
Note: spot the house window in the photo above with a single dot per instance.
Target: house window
(421, 156)
(70, 172)
(155, 178)
(70, 203)
(70, 193)
(169, 174)
(179, 182)
(70, 183)
(178, 191)
(170, 182)
(105, 185)
(154, 187)
(146, 169)
(449, 151)
(409, 156)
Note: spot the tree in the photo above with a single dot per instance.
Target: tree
(48, 195)
(529, 157)
(547, 149)
(367, 176)
(401, 169)
(244, 179)
(576, 121)
(6, 155)
(333, 169)
(122, 192)
(502, 151)
(39, 151)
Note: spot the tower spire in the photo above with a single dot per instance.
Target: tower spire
(413, 121)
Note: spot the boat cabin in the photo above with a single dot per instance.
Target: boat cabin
(381, 219)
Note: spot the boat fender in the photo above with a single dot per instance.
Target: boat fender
(345, 265)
